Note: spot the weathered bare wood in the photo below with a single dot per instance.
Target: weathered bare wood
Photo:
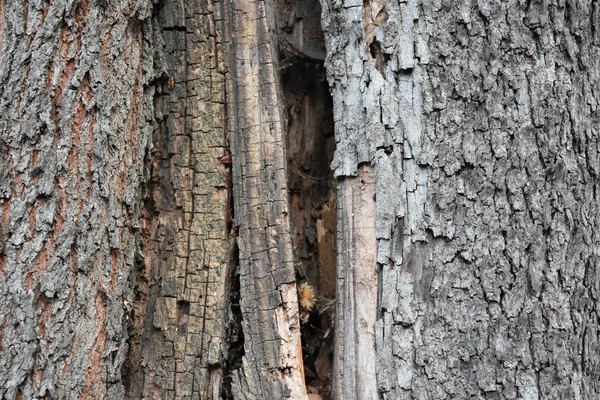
(179, 347)
(75, 106)
(356, 288)
(271, 365)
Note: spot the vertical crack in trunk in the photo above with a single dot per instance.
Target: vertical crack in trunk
(234, 331)
(310, 146)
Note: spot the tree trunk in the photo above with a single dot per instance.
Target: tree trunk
(75, 123)
(165, 186)
(479, 120)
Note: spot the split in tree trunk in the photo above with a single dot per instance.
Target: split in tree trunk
(463, 208)
(310, 146)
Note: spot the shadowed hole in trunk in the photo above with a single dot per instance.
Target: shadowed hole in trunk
(310, 146)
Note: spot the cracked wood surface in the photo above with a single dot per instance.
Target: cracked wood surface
(182, 300)
(272, 361)
(481, 121)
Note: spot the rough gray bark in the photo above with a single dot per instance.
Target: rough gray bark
(481, 120)
(74, 116)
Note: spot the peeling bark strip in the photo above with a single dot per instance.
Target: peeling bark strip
(377, 110)
(73, 132)
(481, 119)
(356, 308)
(182, 299)
(271, 365)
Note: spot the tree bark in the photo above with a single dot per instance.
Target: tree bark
(162, 192)
(479, 120)
(74, 127)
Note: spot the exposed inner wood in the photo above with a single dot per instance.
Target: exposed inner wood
(271, 367)
(357, 282)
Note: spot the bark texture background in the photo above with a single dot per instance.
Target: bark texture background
(480, 119)
(75, 107)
